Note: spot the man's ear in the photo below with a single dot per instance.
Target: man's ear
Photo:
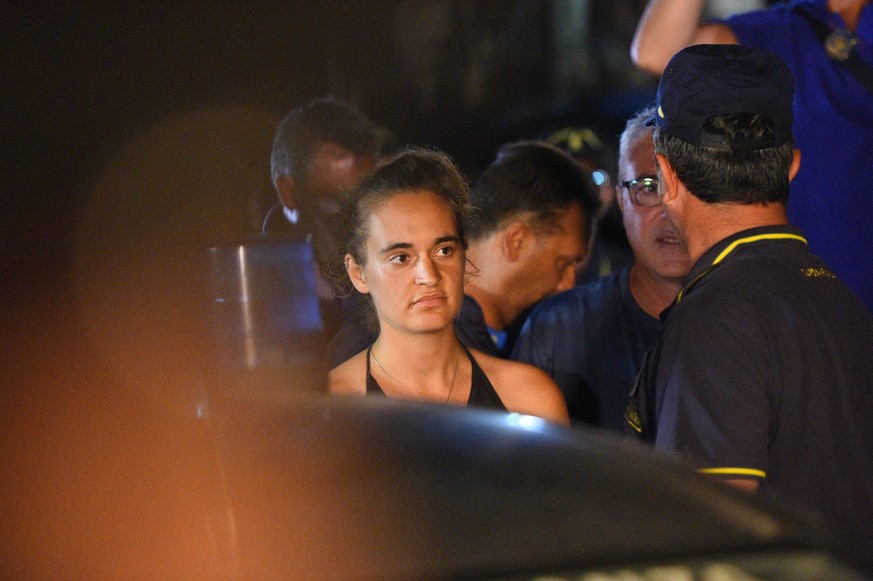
(795, 164)
(286, 187)
(669, 179)
(515, 236)
(356, 274)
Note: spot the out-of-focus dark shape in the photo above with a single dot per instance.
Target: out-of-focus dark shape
(264, 307)
(140, 264)
(321, 150)
(265, 321)
(268, 487)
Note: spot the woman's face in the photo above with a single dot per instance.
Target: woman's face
(415, 263)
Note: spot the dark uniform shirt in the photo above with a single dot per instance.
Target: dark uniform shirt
(764, 370)
(591, 340)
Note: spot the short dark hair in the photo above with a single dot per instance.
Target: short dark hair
(413, 169)
(323, 120)
(530, 176)
(749, 175)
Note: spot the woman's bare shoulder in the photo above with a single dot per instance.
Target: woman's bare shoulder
(349, 377)
(523, 388)
(500, 370)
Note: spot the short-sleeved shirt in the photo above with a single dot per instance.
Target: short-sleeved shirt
(833, 127)
(591, 340)
(764, 370)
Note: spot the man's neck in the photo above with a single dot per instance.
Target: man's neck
(715, 222)
(652, 293)
(488, 303)
(484, 284)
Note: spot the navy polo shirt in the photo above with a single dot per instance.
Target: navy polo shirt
(764, 370)
(591, 340)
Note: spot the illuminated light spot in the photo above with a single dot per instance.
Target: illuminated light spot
(599, 177)
(526, 422)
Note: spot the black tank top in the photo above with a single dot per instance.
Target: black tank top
(482, 393)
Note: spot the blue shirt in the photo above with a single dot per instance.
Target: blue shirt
(832, 196)
(591, 340)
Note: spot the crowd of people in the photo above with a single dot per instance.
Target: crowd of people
(737, 334)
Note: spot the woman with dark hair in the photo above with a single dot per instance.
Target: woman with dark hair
(402, 244)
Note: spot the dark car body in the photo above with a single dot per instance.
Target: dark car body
(280, 486)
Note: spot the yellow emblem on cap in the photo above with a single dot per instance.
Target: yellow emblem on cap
(660, 113)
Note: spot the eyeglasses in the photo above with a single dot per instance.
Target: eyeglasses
(643, 191)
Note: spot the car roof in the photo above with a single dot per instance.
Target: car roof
(378, 489)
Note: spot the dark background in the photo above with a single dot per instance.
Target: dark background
(137, 133)
(81, 80)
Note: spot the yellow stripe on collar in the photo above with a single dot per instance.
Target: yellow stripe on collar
(730, 248)
(757, 238)
(734, 472)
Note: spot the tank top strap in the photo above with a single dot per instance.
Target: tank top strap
(373, 387)
(482, 393)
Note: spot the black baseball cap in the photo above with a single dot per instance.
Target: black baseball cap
(706, 80)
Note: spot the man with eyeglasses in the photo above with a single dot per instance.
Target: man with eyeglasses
(592, 339)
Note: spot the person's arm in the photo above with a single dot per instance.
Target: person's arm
(668, 26)
(535, 394)
(550, 400)
(524, 389)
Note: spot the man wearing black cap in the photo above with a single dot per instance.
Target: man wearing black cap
(763, 374)
(828, 46)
